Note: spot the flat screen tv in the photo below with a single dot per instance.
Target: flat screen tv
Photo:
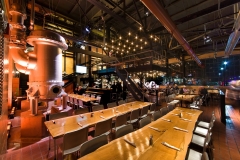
(81, 69)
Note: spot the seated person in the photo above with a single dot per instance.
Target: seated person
(204, 94)
(181, 91)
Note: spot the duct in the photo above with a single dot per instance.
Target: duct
(22, 69)
(233, 38)
(166, 21)
(21, 58)
(232, 42)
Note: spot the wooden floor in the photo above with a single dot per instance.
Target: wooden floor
(226, 137)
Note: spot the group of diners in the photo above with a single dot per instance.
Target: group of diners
(132, 128)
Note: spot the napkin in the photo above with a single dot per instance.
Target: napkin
(168, 120)
(129, 142)
(186, 119)
(170, 146)
(156, 129)
(80, 124)
(180, 129)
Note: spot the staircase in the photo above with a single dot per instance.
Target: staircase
(135, 90)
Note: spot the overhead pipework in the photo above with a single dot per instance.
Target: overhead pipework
(159, 12)
(234, 37)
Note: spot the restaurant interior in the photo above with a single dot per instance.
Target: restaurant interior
(119, 79)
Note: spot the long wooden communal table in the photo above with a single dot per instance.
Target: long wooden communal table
(120, 150)
(59, 127)
(186, 98)
(85, 99)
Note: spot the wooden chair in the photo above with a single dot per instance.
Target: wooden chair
(156, 115)
(72, 141)
(124, 130)
(144, 112)
(145, 121)
(93, 144)
(170, 107)
(134, 115)
(81, 111)
(164, 111)
(103, 127)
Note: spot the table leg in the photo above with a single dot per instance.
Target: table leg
(55, 150)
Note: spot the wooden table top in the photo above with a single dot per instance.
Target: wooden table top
(216, 91)
(68, 124)
(119, 149)
(82, 98)
(185, 97)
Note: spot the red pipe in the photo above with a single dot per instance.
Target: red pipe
(159, 12)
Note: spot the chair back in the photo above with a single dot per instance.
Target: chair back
(157, 115)
(88, 95)
(121, 120)
(81, 111)
(73, 140)
(144, 111)
(80, 103)
(170, 107)
(205, 156)
(134, 114)
(84, 94)
(207, 140)
(93, 144)
(103, 127)
(153, 107)
(213, 117)
(93, 95)
(145, 121)
(99, 99)
(164, 111)
(124, 130)
(75, 101)
(58, 115)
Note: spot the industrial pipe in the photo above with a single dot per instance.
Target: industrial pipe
(22, 58)
(159, 12)
(22, 69)
(31, 27)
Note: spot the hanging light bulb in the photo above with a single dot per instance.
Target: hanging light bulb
(151, 36)
(132, 43)
(127, 40)
(141, 47)
(112, 41)
(140, 28)
(119, 44)
(124, 46)
(141, 40)
(120, 37)
(136, 37)
(145, 42)
(129, 33)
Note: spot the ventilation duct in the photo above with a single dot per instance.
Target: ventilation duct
(166, 21)
(233, 38)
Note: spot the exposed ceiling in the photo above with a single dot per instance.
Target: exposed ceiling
(130, 28)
